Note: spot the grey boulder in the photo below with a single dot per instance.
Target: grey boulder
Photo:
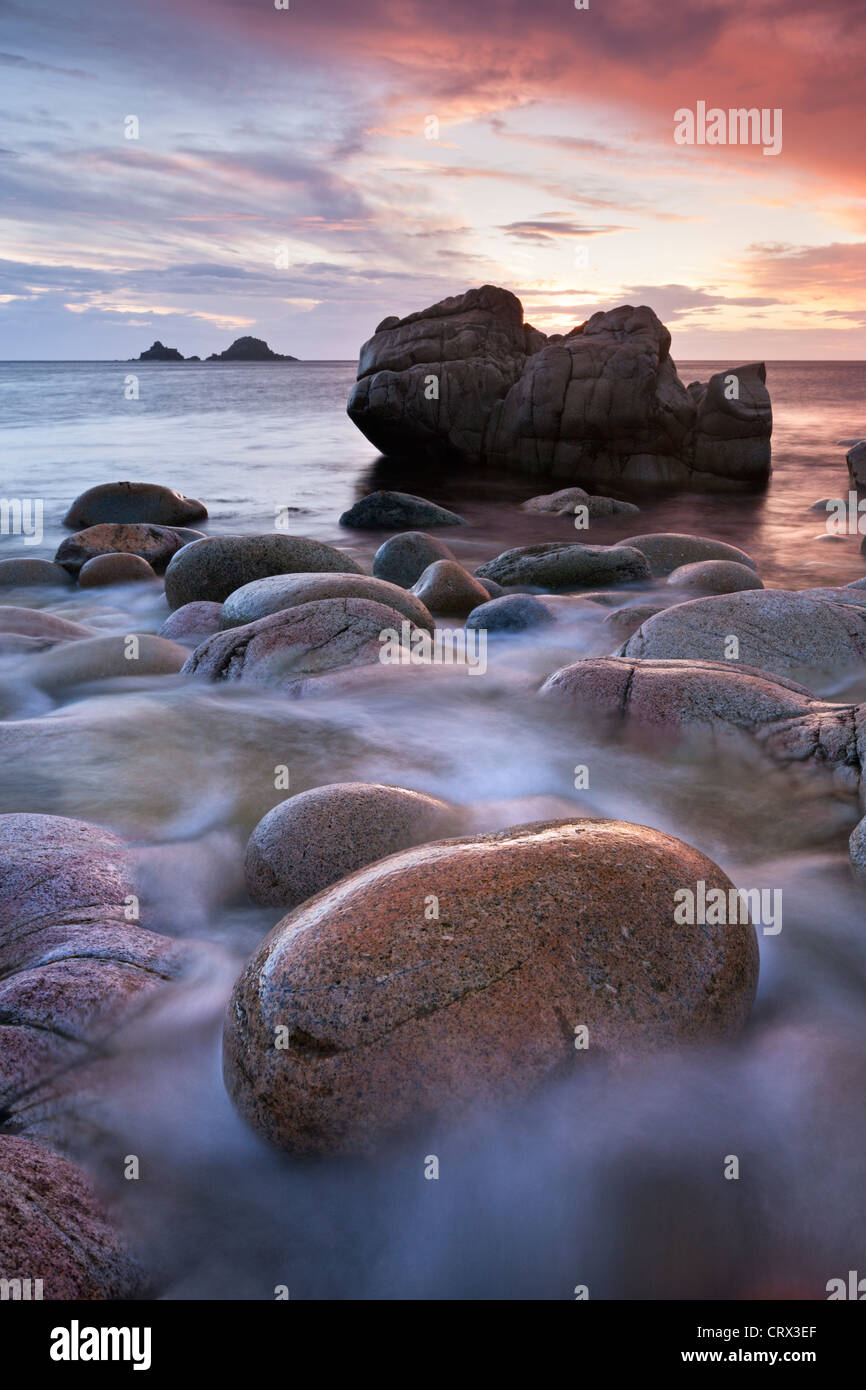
(402, 559)
(212, 568)
(389, 510)
(281, 591)
(564, 564)
(132, 502)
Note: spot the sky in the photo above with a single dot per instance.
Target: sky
(194, 170)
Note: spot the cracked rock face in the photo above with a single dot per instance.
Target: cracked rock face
(286, 647)
(786, 720)
(212, 568)
(73, 967)
(392, 1018)
(53, 1228)
(816, 635)
(467, 379)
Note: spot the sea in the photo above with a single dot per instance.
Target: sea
(610, 1181)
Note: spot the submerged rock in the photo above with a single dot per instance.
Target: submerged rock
(280, 592)
(35, 622)
(28, 570)
(105, 658)
(568, 499)
(566, 564)
(511, 613)
(402, 559)
(286, 647)
(537, 931)
(602, 403)
(54, 1230)
(124, 503)
(212, 568)
(388, 510)
(317, 837)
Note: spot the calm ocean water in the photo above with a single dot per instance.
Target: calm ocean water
(613, 1180)
(249, 438)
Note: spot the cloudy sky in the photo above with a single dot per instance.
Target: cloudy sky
(289, 178)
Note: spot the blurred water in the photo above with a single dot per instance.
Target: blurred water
(612, 1179)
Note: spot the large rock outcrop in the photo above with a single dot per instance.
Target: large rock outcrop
(467, 378)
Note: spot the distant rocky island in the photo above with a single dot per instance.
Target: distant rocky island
(242, 350)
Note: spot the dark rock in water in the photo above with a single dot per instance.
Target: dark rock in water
(282, 591)
(310, 841)
(159, 353)
(467, 380)
(511, 613)
(249, 350)
(385, 510)
(566, 564)
(54, 1230)
(566, 501)
(668, 550)
(155, 544)
(813, 635)
(446, 587)
(193, 622)
(214, 567)
(402, 559)
(114, 569)
(494, 590)
(856, 460)
(538, 930)
(28, 570)
(286, 647)
(132, 502)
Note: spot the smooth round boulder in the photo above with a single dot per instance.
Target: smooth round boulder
(285, 648)
(212, 568)
(54, 1230)
(192, 623)
(105, 658)
(668, 550)
(715, 577)
(455, 976)
(123, 503)
(390, 510)
(403, 559)
(317, 837)
(28, 570)
(114, 569)
(565, 565)
(36, 622)
(446, 587)
(282, 591)
(511, 613)
(155, 544)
